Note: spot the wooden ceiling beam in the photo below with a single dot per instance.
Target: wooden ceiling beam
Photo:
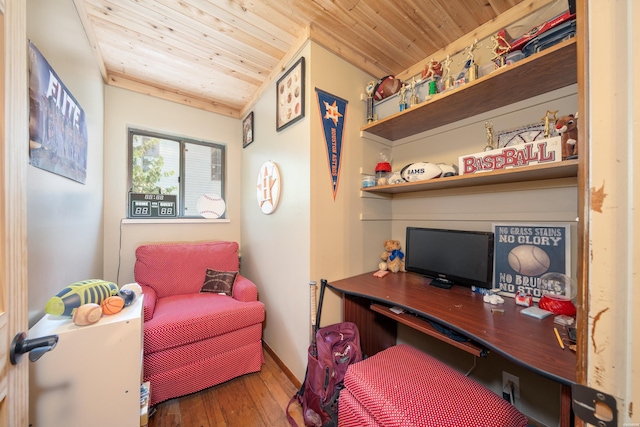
(287, 60)
(174, 62)
(124, 82)
(93, 40)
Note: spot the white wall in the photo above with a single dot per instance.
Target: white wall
(342, 244)
(123, 109)
(309, 236)
(65, 217)
(276, 246)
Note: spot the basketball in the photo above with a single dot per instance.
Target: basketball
(87, 314)
(112, 305)
(529, 260)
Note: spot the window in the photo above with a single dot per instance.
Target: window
(164, 164)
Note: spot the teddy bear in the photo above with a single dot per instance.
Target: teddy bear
(392, 257)
(567, 127)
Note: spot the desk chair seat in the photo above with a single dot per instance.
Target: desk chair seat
(402, 386)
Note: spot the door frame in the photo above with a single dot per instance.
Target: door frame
(14, 122)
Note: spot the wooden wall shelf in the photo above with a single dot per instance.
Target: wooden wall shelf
(564, 169)
(543, 72)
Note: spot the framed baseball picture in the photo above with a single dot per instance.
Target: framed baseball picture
(524, 252)
(290, 96)
(247, 130)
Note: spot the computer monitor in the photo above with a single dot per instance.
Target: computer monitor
(451, 257)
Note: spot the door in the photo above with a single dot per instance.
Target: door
(14, 137)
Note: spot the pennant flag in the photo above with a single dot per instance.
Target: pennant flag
(333, 111)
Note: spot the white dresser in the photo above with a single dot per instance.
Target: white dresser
(92, 377)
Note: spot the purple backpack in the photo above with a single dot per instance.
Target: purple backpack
(334, 348)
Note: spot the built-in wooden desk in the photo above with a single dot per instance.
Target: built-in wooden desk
(522, 339)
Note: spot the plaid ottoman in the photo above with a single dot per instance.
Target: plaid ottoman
(402, 386)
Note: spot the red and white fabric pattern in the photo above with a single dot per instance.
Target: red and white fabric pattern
(183, 319)
(402, 386)
(178, 357)
(352, 413)
(204, 373)
(179, 268)
(194, 340)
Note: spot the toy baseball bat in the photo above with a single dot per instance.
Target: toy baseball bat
(313, 311)
(323, 284)
(316, 325)
(313, 308)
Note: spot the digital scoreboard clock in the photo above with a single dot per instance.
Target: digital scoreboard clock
(152, 206)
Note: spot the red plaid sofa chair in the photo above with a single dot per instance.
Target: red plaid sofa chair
(194, 340)
(404, 387)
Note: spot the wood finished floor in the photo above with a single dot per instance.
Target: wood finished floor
(253, 400)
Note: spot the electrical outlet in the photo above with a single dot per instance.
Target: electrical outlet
(506, 377)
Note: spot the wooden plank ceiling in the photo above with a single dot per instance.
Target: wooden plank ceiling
(220, 55)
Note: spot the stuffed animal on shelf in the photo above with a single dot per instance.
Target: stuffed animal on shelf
(392, 257)
(567, 127)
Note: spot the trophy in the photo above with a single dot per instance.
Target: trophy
(470, 63)
(413, 100)
(434, 68)
(500, 48)
(488, 126)
(446, 73)
(549, 116)
(370, 89)
(402, 98)
(431, 74)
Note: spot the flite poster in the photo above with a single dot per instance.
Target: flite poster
(58, 128)
(333, 111)
(525, 252)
